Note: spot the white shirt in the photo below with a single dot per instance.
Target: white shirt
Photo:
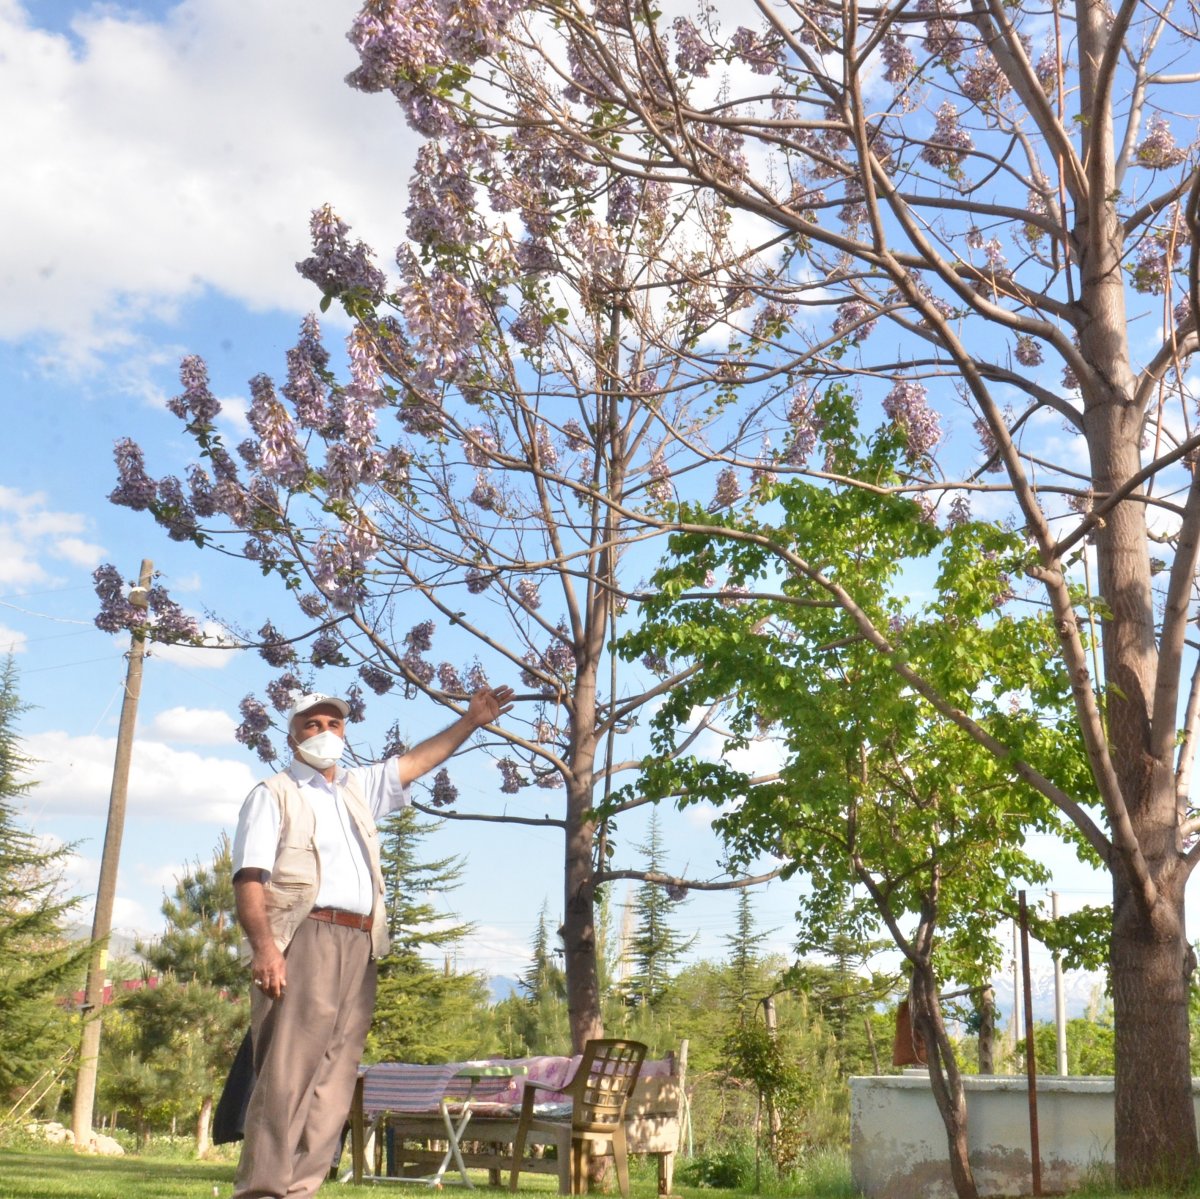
(345, 873)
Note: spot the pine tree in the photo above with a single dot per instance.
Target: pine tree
(201, 939)
(655, 946)
(188, 1027)
(423, 1013)
(746, 975)
(37, 963)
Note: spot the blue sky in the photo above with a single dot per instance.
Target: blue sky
(169, 157)
(164, 159)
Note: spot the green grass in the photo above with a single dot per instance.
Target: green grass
(59, 1174)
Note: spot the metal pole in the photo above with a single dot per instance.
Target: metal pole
(106, 889)
(1060, 1000)
(1035, 1150)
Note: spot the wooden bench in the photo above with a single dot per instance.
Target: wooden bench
(412, 1144)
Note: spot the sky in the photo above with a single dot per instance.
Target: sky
(163, 161)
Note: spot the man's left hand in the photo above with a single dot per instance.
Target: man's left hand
(488, 704)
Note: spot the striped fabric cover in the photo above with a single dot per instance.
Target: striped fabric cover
(407, 1087)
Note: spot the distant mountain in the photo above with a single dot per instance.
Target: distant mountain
(501, 987)
(1081, 990)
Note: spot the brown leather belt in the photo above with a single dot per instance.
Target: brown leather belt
(345, 919)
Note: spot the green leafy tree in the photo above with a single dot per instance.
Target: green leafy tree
(898, 818)
(37, 962)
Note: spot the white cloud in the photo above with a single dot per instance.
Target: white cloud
(12, 641)
(194, 726)
(161, 159)
(29, 531)
(217, 652)
(74, 776)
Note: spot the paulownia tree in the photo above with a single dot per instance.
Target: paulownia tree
(983, 218)
(518, 405)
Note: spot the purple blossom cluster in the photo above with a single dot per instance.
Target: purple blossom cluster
(987, 442)
(283, 690)
(899, 60)
(486, 494)
(417, 667)
(326, 649)
(855, 321)
(477, 678)
(511, 778)
(803, 429)
(676, 892)
(379, 680)
(253, 731)
(1183, 309)
(529, 326)
(135, 489)
(339, 563)
(478, 580)
(196, 401)
(659, 486)
(305, 388)
(528, 594)
(116, 612)
(949, 143)
(754, 50)
(942, 37)
(336, 266)
(1158, 150)
(1028, 351)
(623, 201)
(655, 663)
(442, 203)
(449, 680)
(544, 732)
(311, 604)
(274, 648)
(959, 512)
(1156, 257)
(549, 780)
(728, 490)
(420, 637)
(443, 315)
(356, 703)
(479, 445)
(536, 256)
(983, 82)
(443, 792)
(546, 450)
(693, 55)
(280, 456)
(394, 745)
(906, 406)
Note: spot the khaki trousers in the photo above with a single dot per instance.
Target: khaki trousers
(307, 1047)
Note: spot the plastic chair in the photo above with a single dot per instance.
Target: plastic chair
(599, 1092)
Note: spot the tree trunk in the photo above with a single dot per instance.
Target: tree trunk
(579, 928)
(944, 1078)
(204, 1127)
(987, 1031)
(1155, 1141)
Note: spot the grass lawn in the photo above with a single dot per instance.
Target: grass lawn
(55, 1174)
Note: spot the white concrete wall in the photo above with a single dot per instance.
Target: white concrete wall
(898, 1141)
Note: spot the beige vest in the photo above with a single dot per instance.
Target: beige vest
(291, 890)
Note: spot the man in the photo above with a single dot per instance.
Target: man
(310, 900)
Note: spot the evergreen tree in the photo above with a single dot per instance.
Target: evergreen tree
(747, 977)
(36, 961)
(423, 1013)
(202, 935)
(186, 1029)
(536, 1022)
(655, 946)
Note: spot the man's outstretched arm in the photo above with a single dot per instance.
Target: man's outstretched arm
(486, 707)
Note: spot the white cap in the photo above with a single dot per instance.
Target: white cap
(307, 702)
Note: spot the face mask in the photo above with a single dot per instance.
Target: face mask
(322, 751)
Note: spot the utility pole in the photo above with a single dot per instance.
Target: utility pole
(106, 889)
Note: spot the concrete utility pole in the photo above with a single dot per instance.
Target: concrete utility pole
(106, 889)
